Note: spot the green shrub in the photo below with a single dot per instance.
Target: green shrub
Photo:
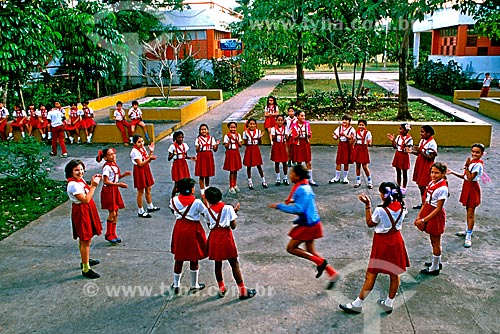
(441, 78)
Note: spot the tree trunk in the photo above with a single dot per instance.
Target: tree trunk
(21, 94)
(4, 97)
(339, 85)
(403, 112)
(362, 78)
(352, 105)
(97, 88)
(300, 67)
(78, 90)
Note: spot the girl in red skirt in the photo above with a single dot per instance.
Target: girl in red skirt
(111, 198)
(301, 144)
(43, 124)
(289, 123)
(278, 150)
(426, 152)
(143, 178)
(360, 154)
(402, 144)
(84, 215)
(345, 135)
(232, 160)
(32, 119)
(301, 202)
(88, 122)
(189, 242)
(470, 197)
(388, 255)
(20, 121)
(73, 125)
(178, 151)
(270, 113)
(205, 167)
(431, 218)
(221, 219)
(252, 138)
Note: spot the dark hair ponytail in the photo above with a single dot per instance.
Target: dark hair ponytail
(391, 192)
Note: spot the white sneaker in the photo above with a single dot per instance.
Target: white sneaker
(345, 180)
(71, 140)
(467, 242)
(237, 189)
(79, 140)
(232, 191)
(64, 155)
(334, 180)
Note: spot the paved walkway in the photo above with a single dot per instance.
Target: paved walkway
(42, 291)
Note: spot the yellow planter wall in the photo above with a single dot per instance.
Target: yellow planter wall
(490, 107)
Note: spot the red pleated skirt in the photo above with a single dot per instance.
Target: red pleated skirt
(42, 125)
(301, 152)
(143, 178)
(422, 171)
(204, 166)
(71, 127)
(388, 255)
(85, 221)
(278, 152)
(87, 123)
(401, 160)
(344, 153)
(189, 242)
(470, 197)
(306, 233)
(33, 122)
(221, 245)
(360, 154)
(252, 156)
(180, 169)
(269, 122)
(16, 124)
(232, 161)
(111, 199)
(436, 225)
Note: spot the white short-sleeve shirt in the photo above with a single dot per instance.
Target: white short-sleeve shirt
(232, 145)
(194, 212)
(179, 153)
(134, 155)
(279, 133)
(111, 172)
(403, 142)
(359, 138)
(135, 113)
(379, 217)
(119, 114)
(4, 112)
(252, 136)
(438, 194)
(429, 147)
(227, 216)
(205, 143)
(74, 188)
(343, 134)
(476, 167)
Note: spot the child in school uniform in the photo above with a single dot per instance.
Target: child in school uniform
(84, 215)
(19, 122)
(279, 151)
(32, 119)
(388, 254)
(470, 197)
(205, 167)
(301, 142)
(74, 123)
(301, 202)
(111, 198)
(290, 120)
(121, 122)
(360, 154)
(56, 119)
(432, 217)
(345, 135)
(252, 138)
(135, 115)
(270, 113)
(88, 122)
(221, 220)
(402, 144)
(189, 242)
(4, 118)
(43, 124)
(143, 178)
(426, 152)
(178, 152)
(232, 159)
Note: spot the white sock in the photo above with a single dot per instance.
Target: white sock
(369, 179)
(90, 136)
(436, 260)
(10, 134)
(389, 301)
(22, 134)
(278, 176)
(250, 181)
(337, 175)
(177, 280)
(49, 135)
(358, 302)
(194, 278)
(285, 177)
(150, 205)
(43, 135)
(358, 179)
(346, 172)
(202, 191)
(263, 179)
(140, 211)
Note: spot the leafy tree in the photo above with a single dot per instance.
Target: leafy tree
(486, 14)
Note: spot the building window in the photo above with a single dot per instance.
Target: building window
(196, 35)
(482, 51)
(471, 30)
(495, 42)
(471, 41)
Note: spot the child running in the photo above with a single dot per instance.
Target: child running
(470, 197)
(111, 198)
(252, 138)
(84, 215)
(232, 160)
(143, 178)
(189, 242)
(431, 218)
(402, 144)
(388, 254)
(279, 154)
(178, 151)
(345, 135)
(221, 220)
(302, 203)
(426, 152)
(360, 154)
(205, 167)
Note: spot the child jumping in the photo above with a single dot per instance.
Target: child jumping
(388, 254)
(360, 154)
(302, 203)
(402, 144)
(470, 197)
(252, 138)
(111, 198)
(221, 220)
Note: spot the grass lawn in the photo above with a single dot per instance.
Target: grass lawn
(172, 103)
(287, 87)
(287, 69)
(18, 208)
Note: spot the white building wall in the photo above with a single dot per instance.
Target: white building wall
(477, 65)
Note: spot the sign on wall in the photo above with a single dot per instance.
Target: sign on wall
(230, 44)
